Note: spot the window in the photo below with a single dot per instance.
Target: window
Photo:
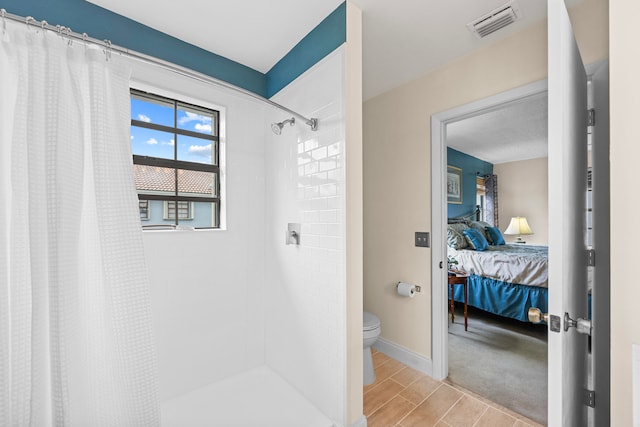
(175, 149)
(144, 209)
(185, 210)
(481, 195)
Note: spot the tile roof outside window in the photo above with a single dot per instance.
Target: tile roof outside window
(154, 178)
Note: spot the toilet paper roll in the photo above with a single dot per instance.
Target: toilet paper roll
(406, 289)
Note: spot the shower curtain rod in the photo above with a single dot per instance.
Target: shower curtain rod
(178, 69)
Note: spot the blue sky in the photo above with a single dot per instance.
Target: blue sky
(149, 142)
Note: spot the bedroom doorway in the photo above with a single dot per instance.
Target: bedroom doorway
(596, 235)
(498, 357)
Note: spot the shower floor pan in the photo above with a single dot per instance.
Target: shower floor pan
(256, 398)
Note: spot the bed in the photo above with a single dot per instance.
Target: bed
(505, 279)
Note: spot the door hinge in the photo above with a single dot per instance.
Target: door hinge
(591, 257)
(591, 117)
(590, 398)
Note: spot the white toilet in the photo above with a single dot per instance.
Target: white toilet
(370, 334)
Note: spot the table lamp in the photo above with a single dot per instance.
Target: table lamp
(518, 226)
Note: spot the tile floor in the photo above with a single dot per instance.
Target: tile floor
(404, 397)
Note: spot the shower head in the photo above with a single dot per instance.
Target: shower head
(277, 127)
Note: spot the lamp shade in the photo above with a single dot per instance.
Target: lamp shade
(518, 226)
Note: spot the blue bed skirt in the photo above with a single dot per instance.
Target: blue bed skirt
(503, 298)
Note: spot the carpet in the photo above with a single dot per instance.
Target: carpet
(501, 359)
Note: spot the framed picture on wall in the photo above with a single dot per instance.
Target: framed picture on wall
(454, 185)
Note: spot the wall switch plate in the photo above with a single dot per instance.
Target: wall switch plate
(422, 239)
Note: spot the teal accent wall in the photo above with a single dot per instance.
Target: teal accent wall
(471, 168)
(322, 40)
(99, 23)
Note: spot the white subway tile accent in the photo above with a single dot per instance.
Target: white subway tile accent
(306, 285)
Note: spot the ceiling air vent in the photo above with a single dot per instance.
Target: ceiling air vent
(496, 19)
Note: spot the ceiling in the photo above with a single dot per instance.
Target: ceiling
(402, 39)
(517, 131)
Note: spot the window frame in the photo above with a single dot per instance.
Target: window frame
(214, 167)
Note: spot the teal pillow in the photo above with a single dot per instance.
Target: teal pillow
(480, 226)
(495, 236)
(476, 239)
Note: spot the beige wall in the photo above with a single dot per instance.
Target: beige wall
(397, 182)
(625, 202)
(523, 191)
(353, 158)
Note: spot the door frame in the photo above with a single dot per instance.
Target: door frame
(439, 121)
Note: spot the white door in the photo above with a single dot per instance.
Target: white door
(567, 222)
(600, 222)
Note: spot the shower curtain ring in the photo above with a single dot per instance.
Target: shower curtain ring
(68, 32)
(3, 14)
(107, 51)
(84, 39)
(28, 20)
(43, 24)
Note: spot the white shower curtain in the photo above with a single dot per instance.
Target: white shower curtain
(76, 345)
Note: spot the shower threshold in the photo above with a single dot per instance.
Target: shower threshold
(258, 397)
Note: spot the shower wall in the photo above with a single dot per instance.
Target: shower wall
(306, 284)
(226, 301)
(207, 286)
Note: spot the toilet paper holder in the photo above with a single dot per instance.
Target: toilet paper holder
(418, 288)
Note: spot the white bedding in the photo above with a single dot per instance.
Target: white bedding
(521, 264)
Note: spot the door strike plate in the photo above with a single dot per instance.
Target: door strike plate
(590, 398)
(554, 323)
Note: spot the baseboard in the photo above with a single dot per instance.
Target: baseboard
(360, 422)
(404, 355)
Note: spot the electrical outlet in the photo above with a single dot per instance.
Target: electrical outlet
(422, 239)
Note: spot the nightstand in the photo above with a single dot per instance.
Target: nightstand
(458, 278)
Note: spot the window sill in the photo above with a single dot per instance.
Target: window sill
(169, 228)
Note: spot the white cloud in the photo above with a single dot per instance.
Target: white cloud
(171, 143)
(152, 141)
(131, 136)
(144, 118)
(203, 127)
(191, 117)
(203, 122)
(200, 150)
